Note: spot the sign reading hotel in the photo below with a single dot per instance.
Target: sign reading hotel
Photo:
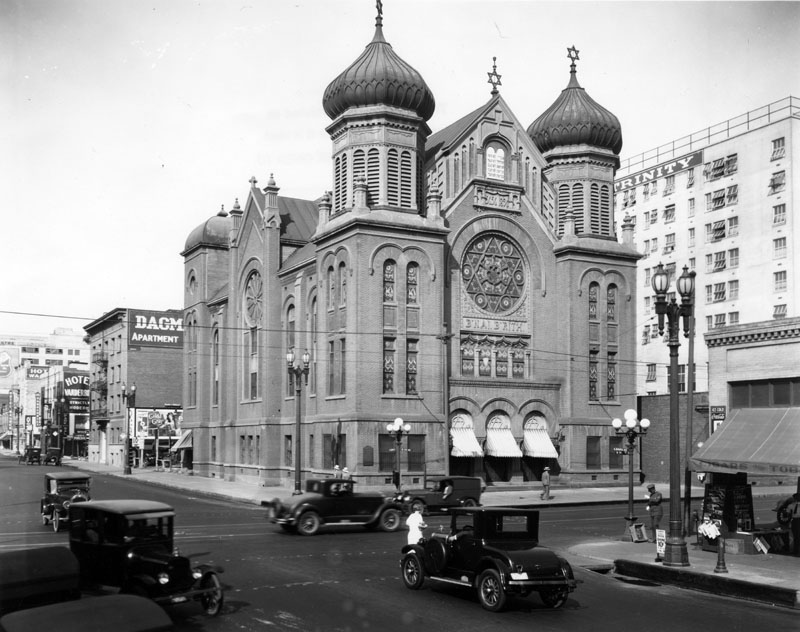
(155, 329)
(664, 169)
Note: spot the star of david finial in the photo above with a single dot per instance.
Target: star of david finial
(379, 17)
(572, 53)
(494, 78)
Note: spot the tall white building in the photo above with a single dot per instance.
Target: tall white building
(722, 202)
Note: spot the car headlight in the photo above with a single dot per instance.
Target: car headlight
(406, 498)
(163, 578)
(196, 574)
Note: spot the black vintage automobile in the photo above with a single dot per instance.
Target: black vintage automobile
(494, 550)
(32, 455)
(61, 489)
(333, 501)
(128, 544)
(52, 456)
(37, 576)
(443, 492)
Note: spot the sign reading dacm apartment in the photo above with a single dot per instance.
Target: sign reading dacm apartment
(155, 329)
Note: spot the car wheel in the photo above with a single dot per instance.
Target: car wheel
(45, 517)
(213, 600)
(491, 593)
(784, 516)
(309, 523)
(554, 598)
(56, 521)
(413, 573)
(390, 520)
(417, 505)
(469, 502)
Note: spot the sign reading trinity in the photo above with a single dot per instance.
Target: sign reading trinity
(662, 170)
(155, 329)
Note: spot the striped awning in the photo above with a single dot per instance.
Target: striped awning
(465, 443)
(185, 442)
(500, 442)
(536, 443)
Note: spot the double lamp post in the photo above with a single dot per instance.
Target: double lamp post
(675, 552)
(295, 371)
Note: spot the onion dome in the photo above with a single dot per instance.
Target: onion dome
(214, 233)
(575, 118)
(379, 77)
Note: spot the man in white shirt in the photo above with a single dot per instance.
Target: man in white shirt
(415, 524)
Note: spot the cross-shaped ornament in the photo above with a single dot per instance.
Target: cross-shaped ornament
(494, 78)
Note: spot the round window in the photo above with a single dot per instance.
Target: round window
(493, 272)
(254, 297)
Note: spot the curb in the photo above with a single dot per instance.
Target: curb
(716, 584)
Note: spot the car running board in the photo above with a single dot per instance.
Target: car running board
(447, 580)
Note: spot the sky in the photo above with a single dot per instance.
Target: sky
(127, 123)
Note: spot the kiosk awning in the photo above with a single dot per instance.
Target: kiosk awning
(500, 442)
(536, 442)
(465, 443)
(755, 441)
(185, 442)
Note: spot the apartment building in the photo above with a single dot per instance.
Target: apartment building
(722, 202)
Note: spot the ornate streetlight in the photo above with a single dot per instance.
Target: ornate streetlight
(675, 553)
(296, 372)
(631, 428)
(129, 396)
(397, 429)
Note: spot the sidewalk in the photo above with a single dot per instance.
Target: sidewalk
(766, 578)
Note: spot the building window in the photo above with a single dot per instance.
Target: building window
(719, 320)
(732, 195)
(733, 226)
(594, 288)
(290, 344)
(593, 376)
(416, 453)
(779, 248)
(733, 258)
(611, 379)
(719, 261)
(215, 355)
(779, 311)
(780, 280)
(651, 372)
(386, 456)
(412, 283)
(342, 367)
(669, 245)
(388, 281)
(669, 213)
(681, 378)
(495, 162)
(342, 285)
(778, 149)
(731, 164)
(616, 451)
(779, 214)
(653, 217)
(654, 244)
(646, 335)
(709, 293)
(690, 179)
(719, 292)
(412, 353)
(718, 199)
(733, 318)
(691, 239)
(733, 290)
(691, 207)
(669, 185)
(593, 453)
(777, 182)
(389, 363)
(780, 393)
(646, 191)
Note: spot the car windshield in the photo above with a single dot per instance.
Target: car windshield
(145, 529)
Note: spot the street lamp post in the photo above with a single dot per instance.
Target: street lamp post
(397, 428)
(675, 553)
(296, 371)
(129, 396)
(631, 428)
(18, 412)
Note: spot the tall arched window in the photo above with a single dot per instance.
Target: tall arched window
(331, 289)
(406, 178)
(373, 177)
(495, 162)
(392, 178)
(215, 359)
(578, 207)
(291, 341)
(342, 284)
(605, 209)
(412, 283)
(389, 281)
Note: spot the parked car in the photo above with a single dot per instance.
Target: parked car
(441, 493)
(120, 613)
(31, 456)
(37, 576)
(494, 550)
(333, 501)
(53, 457)
(128, 544)
(61, 489)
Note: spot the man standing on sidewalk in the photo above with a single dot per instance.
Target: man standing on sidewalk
(545, 495)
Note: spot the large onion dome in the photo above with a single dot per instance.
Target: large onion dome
(575, 118)
(214, 232)
(379, 77)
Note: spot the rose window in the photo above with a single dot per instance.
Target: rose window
(254, 297)
(493, 273)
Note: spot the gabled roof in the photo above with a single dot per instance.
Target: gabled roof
(298, 217)
(443, 139)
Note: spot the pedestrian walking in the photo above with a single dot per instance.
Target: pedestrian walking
(337, 473)
(346, 474)
(545, 495)
(655, 509)
(415, 523)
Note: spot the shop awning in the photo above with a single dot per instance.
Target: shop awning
(755, 441)
(500, 442)
(537, 443)
(5, 435)
(465, 443)
(184, 442)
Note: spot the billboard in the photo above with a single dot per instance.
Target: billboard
(155, 329)
(664, 169)
(76, 391)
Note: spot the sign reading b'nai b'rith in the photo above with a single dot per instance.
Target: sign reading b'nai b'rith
(155, 329)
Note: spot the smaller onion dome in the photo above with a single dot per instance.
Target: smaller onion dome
(214, 232)
(575, 118)
(379, 77)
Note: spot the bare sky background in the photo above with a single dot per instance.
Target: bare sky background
(128, 123)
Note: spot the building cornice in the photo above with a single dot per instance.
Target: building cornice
(766, 331)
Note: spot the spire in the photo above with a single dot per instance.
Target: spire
(572, 53)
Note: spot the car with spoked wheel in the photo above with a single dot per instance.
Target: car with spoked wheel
(129, 545)
(496, 552)
(62, 489)
(441, 493)
(332, 502)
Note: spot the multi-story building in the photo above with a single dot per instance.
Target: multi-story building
(722, 202)
(135, 383)
(468, 281)
(23, 358)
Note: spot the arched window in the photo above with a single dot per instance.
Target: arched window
(215, 356)
(594, 209)
(406, 179)
(392, 178)
(389, 282)
(605, 210)
(373, 177)
(312, 376)
(495, 162)
(412, 283)
(594, 288)
(578, 207)
(331, 289)
(291, 344)
(342, 284)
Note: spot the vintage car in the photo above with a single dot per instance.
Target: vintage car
(120, 613)
(128, 544)
(333, 501)
(441, 493)
(494, 550)
(61, 489)
(31, 456)
(52, 457)
(37, 576)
